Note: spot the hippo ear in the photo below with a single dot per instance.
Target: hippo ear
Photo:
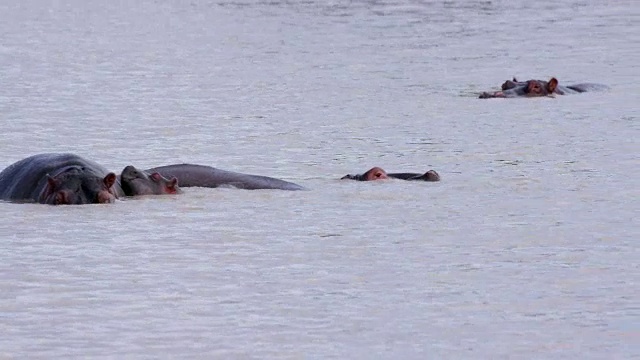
(514, 79)
(109, 180)
(52, 182)
(156, 177)
(49, 189)
(552, 85)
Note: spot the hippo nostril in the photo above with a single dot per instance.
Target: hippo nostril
(62, 198)
(104, 197)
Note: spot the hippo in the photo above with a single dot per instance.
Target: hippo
(536, 88)
(377, 173)
(192, 175)
(58, 179)
(136, 182)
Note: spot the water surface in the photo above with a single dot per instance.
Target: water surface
(527, 248)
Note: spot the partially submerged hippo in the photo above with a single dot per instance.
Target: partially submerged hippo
(136, 182)
(536, 88)
(58, 179)
(154, 180)
(377, 173)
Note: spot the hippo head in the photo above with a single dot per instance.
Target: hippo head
(540, 88)
(75, 186)
(510, 84)
(375, 173)
(430, 175)
(137, 182)
(529, 88)
(101, 190)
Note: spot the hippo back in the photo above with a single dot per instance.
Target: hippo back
(584, 87)
(189, 175)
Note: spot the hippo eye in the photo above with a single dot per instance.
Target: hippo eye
(156, 177)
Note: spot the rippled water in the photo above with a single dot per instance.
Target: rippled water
(527, 248)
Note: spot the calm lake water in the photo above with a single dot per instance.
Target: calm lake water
(527, 248)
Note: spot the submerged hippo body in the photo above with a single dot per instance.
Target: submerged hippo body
(58, 179)
(536, 88)
(191, 175)
(377, 173)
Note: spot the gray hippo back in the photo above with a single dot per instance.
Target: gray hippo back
(190, 175)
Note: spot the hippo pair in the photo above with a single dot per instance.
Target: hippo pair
(59, 179)
(536, 88)
(69, 179)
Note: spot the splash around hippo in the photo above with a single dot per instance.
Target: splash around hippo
(58, 179)
(377, 173)
(538, 88)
